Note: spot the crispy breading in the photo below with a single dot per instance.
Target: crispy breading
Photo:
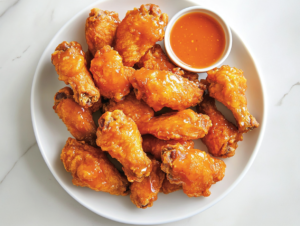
(139, 31)
(91, 168)
(144, 193)
(100, 29)
(78, 120)
(154, 145)
(156, 59)
(119, 136)
(165, 89)
(110, 76)
(70, 64)
(222, 137)
(136, 109)
(182, 125)
(167, 187)
(228, 85)
(194, 169)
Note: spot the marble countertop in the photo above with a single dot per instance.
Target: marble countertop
(267, 195)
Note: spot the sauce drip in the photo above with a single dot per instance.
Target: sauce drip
(198, 40)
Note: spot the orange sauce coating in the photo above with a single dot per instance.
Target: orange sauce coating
(197, 39)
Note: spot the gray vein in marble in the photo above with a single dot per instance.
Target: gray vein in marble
(281, 100)
(9, 7)
(52, 14)
(21, 54)
(17, 162)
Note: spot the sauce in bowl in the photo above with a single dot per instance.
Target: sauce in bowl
(198, 40)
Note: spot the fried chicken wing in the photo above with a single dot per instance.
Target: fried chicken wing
(110, 76)
(228, 85)
(79, 120)
(194, 169)
(154, 145)
(91, 168)
(139, 31)
(119, 136)
(165, 89)
(223, 136)
(137, 110)
(100, 29)
(144, 193)
(156, 59)
(167, 187)
(70, 65)
(182, 125)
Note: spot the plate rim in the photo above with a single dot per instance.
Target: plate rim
(231, 187)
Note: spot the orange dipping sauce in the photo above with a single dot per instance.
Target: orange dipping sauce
(198, 40)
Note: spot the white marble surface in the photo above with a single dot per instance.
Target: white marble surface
(269, 193)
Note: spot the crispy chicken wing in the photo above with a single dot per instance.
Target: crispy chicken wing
(154, 145)
(91, 168)
(195, 170)
(100, 29)
(110, 76)
(70, 65)
(144, 193)
(228, 85)
(165, 89)
(139, 31)
(182, 125)
(156, 59)
(119, 136)
(167, 187)
(79, 120)
(137, 110)
(223, 136)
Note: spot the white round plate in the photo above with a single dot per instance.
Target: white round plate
(51, 133)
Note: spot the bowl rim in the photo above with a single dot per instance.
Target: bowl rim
(239, 178)
(217, 17)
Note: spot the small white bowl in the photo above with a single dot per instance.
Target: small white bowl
(218, 18)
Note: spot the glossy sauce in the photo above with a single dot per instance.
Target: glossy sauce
(198, 40)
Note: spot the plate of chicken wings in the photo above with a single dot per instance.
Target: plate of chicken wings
(130, 135)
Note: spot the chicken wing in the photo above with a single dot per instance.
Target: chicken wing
(137, 110)
(228, 85)
(119, 136)
(91, 168)
(154, 145)
(79, 120)
(156, 59)
(222, 137)
(70, 65)
(195, 170)
(110, 76)
(165, 89)
(100, 29)
(182, 125)
(144, 193)
(139, 31)
(167, 187)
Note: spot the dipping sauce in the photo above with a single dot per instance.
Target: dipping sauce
(198, 40)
